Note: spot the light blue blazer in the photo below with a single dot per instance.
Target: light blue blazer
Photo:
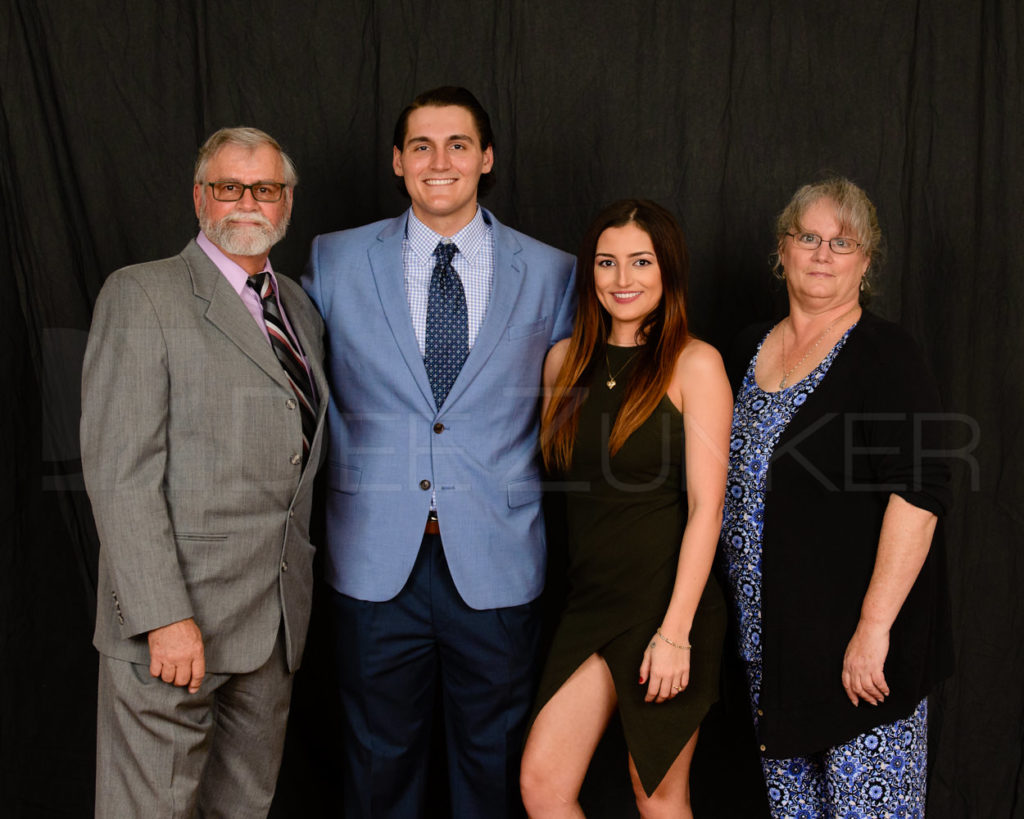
(389, 445)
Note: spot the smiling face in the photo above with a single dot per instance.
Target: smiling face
(244, 230)
(441, 162)
(627, 280)
(822, 279)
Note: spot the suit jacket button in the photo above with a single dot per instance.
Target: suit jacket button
(284, 565)
(763, 749)
(438, 427)
(296, 459)
(424, 484)
(290, 403)
(291, 513)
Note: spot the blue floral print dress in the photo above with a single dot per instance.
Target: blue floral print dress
(881, 773)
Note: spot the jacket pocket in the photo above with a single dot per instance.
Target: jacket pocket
(343, 478)
(523, 330)
(524, 491)
(201, 536)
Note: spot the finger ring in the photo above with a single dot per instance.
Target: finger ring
(677, 688)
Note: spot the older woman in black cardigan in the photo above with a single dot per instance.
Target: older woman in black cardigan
(830, 539)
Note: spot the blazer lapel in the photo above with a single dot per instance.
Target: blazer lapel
(385, 257)
(309, 345)
(228, 314)
(509, 274)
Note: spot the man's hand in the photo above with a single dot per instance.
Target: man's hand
(176, 654)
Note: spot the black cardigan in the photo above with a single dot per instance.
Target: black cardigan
(872, 427)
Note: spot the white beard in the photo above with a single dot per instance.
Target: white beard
(241, 240)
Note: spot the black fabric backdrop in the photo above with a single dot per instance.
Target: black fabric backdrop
(719, 111)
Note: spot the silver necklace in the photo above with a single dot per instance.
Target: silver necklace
(787, 373)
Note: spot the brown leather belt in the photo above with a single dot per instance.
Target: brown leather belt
(432, 527)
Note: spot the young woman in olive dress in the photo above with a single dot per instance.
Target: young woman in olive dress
(636, 424)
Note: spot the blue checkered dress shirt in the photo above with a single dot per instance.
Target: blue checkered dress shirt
(474, 263)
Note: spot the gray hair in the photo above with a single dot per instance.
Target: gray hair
(854, 212)
(251, 138)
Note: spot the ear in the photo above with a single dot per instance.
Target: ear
(488, 159)
(396, 161)
(197, 196)
(780, 251)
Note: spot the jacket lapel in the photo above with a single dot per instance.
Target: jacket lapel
(228, 314)
(312, 348)
(509, 274)
(385, 257)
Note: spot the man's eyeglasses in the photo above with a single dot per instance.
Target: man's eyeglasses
(812, 241)
(261, 191)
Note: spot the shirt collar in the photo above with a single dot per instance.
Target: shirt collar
(470, 240)
(233, 272)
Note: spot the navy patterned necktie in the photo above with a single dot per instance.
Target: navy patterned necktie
(288, 353)
(447, 324)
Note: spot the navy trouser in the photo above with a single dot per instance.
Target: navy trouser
(392, 655)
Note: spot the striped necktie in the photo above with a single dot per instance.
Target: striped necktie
(288, 353)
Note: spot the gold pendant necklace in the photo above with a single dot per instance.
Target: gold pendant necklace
(611, 382)
(787, 373)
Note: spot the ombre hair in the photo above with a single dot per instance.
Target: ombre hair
(663, 333)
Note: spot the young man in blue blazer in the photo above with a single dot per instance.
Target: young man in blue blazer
(438, 322)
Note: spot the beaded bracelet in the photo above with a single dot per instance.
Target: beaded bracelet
(684, 646)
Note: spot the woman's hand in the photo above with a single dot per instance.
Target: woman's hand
(863, 662)
(665, 669)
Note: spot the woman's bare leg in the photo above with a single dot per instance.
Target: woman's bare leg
(562, 741)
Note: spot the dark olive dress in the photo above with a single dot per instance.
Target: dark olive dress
(626, 516)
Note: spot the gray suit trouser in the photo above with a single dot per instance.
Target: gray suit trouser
(162, 752)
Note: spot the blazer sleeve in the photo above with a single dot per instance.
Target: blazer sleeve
(566, 314)
(124, 452)
(311, 279)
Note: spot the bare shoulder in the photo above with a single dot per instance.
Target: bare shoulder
(699, 375)
(698, 360)
(554, 360)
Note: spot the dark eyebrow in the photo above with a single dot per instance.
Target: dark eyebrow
(634, 254)
(452, 138)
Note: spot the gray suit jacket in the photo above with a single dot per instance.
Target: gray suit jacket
(190, 434)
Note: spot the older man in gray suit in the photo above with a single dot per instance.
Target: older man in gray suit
(202, 422)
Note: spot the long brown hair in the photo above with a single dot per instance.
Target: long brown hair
(663, 333)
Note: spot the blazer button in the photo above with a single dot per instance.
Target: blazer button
(296, 459)
(424, 484)
(763, 749)
(284, 565)
(438, 427)
(290, 403)
(760, 713)
(291, 513)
